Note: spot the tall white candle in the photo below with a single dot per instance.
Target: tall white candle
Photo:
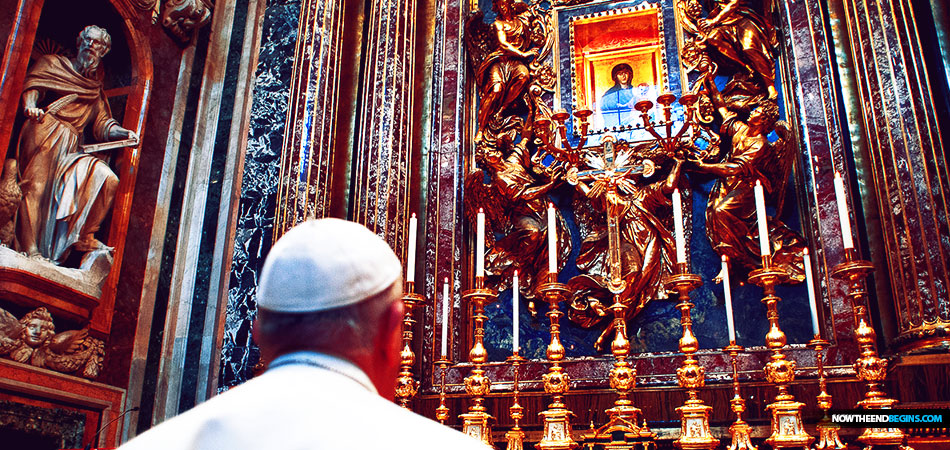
(727, 290)
(515, 311)
(810, 285)
(678, 234)
(411, 254)
(480, 244)
(843, 212)
(764, 246)
(552, 240)
(445, 318)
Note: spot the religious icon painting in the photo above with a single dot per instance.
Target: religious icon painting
(617, 58)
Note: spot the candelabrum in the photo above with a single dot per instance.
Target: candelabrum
(670, 142)
(442, 412)
(740, 430)
(871, 368)
(515, 436)
(694, 415)
(406, 385)
(622, 431)
(787, 427)
(477, 422)
(827, 431)
(557, 433)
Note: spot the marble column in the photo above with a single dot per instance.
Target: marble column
(383, 144)
(314, 154)
(908, 166)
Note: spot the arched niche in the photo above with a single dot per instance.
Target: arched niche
(52, 25)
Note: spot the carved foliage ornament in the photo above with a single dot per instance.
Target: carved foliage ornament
(33, 340)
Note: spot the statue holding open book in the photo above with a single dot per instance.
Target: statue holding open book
(68, 188)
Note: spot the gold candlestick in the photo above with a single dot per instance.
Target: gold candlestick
(827, 431)
(787, 427)
(557, 418)
(515, 436)
(442, 412)
(870, 367)
(694, 415)
(406, 385)
(740, 430)
(477, 422)
(624, 417)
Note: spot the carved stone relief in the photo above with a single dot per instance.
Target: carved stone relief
(33, 340)
(182, 18)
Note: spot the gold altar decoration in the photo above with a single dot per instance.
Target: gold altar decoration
(740, 430)
(787, 427)
(507, 58)
(406, 385)
(557, 434)
(827, 431)
(871, 368)
(477, 422)
(694, 414)
(622, 431)
(515, 436)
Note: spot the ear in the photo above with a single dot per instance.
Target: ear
(387, 349)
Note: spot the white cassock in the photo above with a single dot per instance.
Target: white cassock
(304, 401)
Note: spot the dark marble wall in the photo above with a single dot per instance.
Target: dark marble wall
(258, 188)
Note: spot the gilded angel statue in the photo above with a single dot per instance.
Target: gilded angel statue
(33, 340)
(731, 224)
(515, 202)
(506, 56)
(624, 189)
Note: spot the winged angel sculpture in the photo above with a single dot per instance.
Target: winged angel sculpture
(736, 42)
(33, 340)
(507, 56)
(512, 187)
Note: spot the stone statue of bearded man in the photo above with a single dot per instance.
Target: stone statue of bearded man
(66, 192)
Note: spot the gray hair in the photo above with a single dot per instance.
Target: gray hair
(105, 36)
(354, 326)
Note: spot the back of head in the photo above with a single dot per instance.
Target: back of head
(326, 286)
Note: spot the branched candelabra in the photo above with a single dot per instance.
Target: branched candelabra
(694, 415)
(406, 385)
(740, 430)
(827, 431)
(477, 422)
(557, 433)
(871, 368)
(787, 427)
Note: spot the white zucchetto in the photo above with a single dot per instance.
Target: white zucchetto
(324, 264)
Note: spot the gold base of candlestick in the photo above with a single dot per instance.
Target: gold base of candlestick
(442, 412)
(827, 431)
(557, 434)
(694, 415)
(515, 437)
(740, 431)
(406, 385)
(477, 422)
(788, 431)
(694, 431)
(871, 368)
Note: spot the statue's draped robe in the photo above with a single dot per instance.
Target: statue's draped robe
(731, 221)
(48, 151)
